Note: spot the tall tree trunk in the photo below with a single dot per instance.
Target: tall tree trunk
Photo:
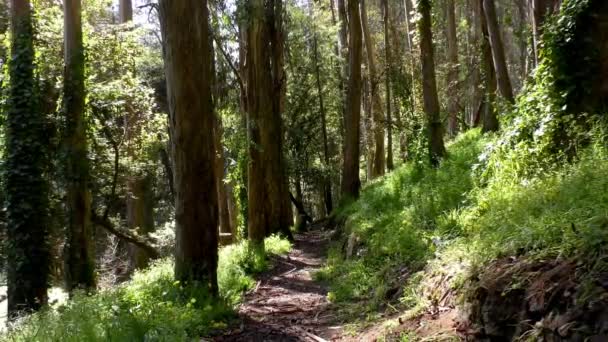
(452, 91)
(269, 206)
(540, 9)
(351, 183)
(377, 111)
(388, 71)
(28, 254)
(429, 84)
(341, 52)
(80, 263)
(327, 181)
(368, 131)
(125, 9)
(498, 51)
(488, 113)
(188, 71)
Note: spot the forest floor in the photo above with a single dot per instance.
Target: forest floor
(287, 304)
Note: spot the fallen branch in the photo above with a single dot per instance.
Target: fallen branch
(125, 235)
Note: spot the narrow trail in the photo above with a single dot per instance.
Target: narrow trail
(287, 304)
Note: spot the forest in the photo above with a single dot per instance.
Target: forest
(304, 170)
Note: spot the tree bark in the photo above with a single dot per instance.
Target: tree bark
(188, 71)
(429, 84)
(28, 255)
(125, 9)
(379, 161)
(351, 183)
(388, 71)
(269, 206)
(452, 77)
(498, 52)
(80, 268)
(225, 223)
(140, 216)
(488, 113)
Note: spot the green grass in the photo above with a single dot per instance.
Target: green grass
(152, 306)
(396, 219)
(457, 218)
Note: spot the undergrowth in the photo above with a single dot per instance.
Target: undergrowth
(152, 306)
(455, 219)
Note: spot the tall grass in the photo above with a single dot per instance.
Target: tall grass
(152, 306)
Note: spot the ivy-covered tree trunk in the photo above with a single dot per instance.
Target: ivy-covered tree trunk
(188, 72)
(379, 161)
(429, 84)
(351, 183)
(80, 254)
(269, 207)
(28, 254)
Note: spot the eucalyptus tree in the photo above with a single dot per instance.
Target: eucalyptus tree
(188, 73)
(429, 84)
(351, 183)
(80, 253)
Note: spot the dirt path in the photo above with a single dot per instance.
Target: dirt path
(287, 304)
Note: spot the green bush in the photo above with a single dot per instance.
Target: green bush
(152, 306)
(396, 219)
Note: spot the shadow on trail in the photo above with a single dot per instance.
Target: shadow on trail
(287, 304)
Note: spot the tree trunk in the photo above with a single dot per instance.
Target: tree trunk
(28, 255)
(188, 71)
(498, 52)
(225, 228)
(488, 113)
(140, 215)
(368, 132)
(388, 70)
(540, 9)
(452, 91)
(377, 111)
(269, 206)
(340, 64)
(80, 270)
(351, 183)
(125, 9)
(429, 84)
(327, 180)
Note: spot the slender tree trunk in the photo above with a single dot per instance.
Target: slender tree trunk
(341, 52)
(498, 52)
(429, 84)
(225, 229)
(327, 181)
(452, 92)
(269, 206)
(368, 131)
(188, 71)
(377, 111)
(388, 71)
(140, 215)
(125, 9)
(351, 183)
(80, 270)
(25, 184)
(488, 113)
